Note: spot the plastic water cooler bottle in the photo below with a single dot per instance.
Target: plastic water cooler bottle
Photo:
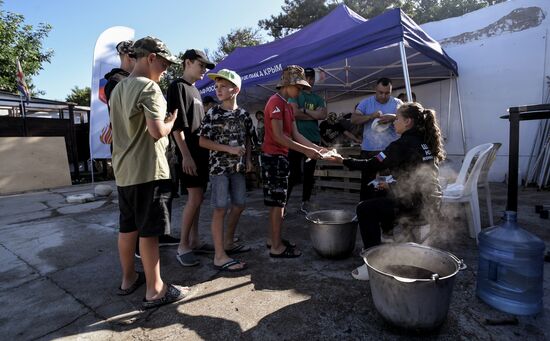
(511, 262)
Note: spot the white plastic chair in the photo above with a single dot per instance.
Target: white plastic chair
(464, 190)
(484, 179)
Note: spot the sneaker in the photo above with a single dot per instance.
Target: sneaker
(387, 238)
(137, 254)
(361, 273)
(168, 240)
(305, 207)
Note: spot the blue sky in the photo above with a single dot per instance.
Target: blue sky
(180, 24)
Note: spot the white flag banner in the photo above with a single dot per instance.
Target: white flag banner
(105, 59)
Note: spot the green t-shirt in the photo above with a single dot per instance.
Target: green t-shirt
(310, 101)
(137, 157)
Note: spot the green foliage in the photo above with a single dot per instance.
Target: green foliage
(80, 96)
(237, 38)
(19, 40)
(296, 14)
(438, 10)
(174, 71)
(300, 13)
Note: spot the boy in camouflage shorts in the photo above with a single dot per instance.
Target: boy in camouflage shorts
(281, 134)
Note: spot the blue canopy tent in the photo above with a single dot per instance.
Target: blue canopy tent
(349, 52)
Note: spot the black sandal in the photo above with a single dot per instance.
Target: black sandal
(286, 243)
(287, 253)
(139, 281)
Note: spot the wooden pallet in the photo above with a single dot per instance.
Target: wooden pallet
(332, 176)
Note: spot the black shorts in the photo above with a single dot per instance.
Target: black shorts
(275, 171)
(200, 156)
(145, 208)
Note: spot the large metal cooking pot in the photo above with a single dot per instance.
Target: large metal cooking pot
(412, 284)
(332, 232)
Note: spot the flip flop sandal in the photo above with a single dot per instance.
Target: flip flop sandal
(139, 282)
(287, 253)
(238, 248)
(286, 243)
(227, 266)
(174, 293)
(204, 249)
(187, 259)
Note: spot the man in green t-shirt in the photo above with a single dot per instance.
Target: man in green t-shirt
(140, 129)
(308, 108)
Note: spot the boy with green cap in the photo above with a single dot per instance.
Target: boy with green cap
(227, 131)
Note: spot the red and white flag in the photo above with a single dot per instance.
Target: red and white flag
(21, 84)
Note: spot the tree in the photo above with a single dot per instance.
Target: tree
(23, 41)
(237, 38)
(438, 10)
(174, 71)
(296, 14)
(80, 96)
(300, 13)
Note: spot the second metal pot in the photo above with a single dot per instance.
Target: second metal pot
(332, 232)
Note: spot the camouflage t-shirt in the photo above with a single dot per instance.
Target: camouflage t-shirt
(228, 128)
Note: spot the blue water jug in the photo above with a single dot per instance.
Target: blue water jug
(511, 262)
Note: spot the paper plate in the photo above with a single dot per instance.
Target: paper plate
(378, 126)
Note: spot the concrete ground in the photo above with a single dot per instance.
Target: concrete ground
(59, 270)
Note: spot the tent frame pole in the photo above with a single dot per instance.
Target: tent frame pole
(405, 70)
(461, 115)
(448, 132)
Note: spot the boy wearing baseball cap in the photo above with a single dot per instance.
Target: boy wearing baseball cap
(140, 130)
(227, 132)
(125, 52)
(184, 96)
(281, 134)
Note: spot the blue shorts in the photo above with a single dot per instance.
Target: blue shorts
(226, 188)
(275, 171)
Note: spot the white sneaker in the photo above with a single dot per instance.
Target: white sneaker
(387, 238)
(361, 273)
(304, 208)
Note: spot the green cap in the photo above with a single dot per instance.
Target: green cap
(147, 45)
(228, 75)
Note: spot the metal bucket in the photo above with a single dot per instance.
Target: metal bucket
(333, 232)
(412, 284)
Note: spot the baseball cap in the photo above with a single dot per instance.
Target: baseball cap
(149, 44)
(125, 47)
(309, 72)
(208, 99)
(194, 54)
(228, 75)
(293, 75)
